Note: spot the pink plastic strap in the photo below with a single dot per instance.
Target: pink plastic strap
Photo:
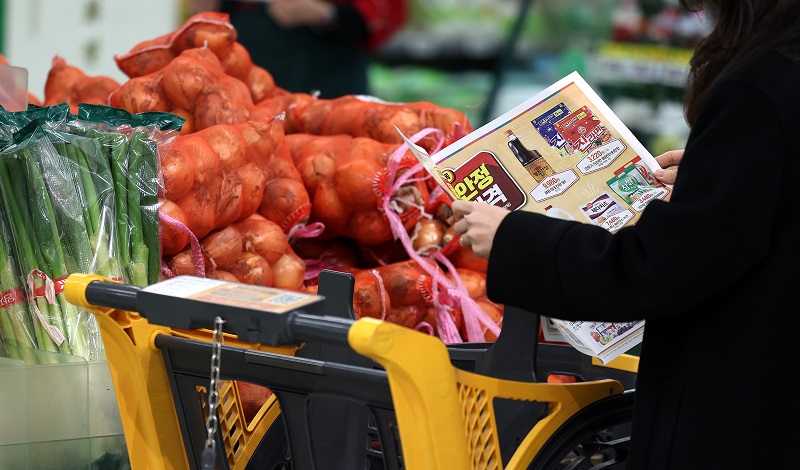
(458, 131)
(50, 294)
(473, 313)
(436, 192)
(426, 325)
(197, 252)
(47, 291)
(453, 293)
(448, 332)
(382, 289)
(315, 266)
(397, 155)
(166, 271)
(312, 230)
(444, 304)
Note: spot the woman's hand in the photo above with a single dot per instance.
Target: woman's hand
(476, 224)
(669, 161)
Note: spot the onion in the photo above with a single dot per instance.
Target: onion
(223, 276)
(223, 247)
(251, 268)
(253, 181)
(198, 206)
(173, 240)
(289, 271)
(328, 208)
(260, 82)
(428, 235)
(263, 237)
(177, 170)
(228, 187)
(237, 62)
(369, 227)
(495, 312)
(183, 264)
(474, 282)
(354, 182)
(369, 297)
(227, 143)
(183, 81)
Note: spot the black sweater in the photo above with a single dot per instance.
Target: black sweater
(712, 272)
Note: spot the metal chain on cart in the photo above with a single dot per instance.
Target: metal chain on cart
(209, 457)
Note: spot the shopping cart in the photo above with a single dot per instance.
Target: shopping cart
(357, 394)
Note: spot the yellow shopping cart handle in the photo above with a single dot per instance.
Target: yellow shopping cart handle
(255, 314)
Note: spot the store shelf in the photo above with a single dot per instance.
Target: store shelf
(635, 53)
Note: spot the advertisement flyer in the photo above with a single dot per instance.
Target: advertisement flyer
(563, 153)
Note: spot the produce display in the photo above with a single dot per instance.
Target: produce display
(254, 250)
(359, 116)
(200, 164)
(225, 173)
(193, 85)
(347, 179)
(210, 30)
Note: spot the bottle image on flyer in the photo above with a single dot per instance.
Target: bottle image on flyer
(532, 160)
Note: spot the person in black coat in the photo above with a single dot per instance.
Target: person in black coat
(713, 271)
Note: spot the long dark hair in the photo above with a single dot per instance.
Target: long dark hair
(742, 28)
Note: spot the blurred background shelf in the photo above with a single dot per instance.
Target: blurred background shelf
(485, 56)
(479, 56)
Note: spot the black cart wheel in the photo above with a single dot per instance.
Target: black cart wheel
(596, 438)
